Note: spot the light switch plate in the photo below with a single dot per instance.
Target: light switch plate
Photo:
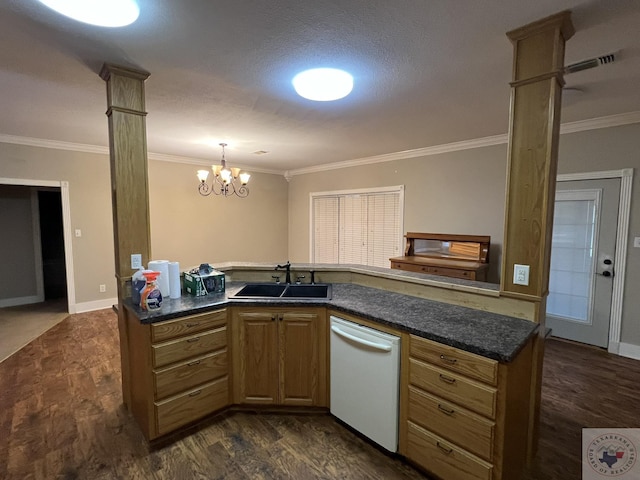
(521, 274)
(636, 242)
(136, 261)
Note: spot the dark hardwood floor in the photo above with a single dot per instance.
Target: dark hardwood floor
(583, 387)
(61, 417)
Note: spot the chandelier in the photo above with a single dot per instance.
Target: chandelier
(226, 181)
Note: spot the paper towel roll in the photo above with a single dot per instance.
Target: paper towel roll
(161, 266)
(174, 280)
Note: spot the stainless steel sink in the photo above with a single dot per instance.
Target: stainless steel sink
(277, 290)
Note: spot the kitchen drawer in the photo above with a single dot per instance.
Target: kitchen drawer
(469, 364)
(187, 325)
(444, 459)
(188, 374)
(466, 429)
(191, 346)
(192, 405)
(465, 392)
(451, 272)
(433, 270)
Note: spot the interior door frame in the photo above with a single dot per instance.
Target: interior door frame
(622, 232)
(66, 226)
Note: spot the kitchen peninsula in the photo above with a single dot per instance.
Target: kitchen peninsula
(464, 388)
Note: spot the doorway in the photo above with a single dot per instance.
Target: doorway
(52, 244)
(582, 260)
(606, 195)
(63, 188)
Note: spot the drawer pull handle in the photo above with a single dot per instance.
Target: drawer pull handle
(446, 450)
(191, 340)
(446, 410)
(450, 360)
(189, 325)
(197, 392)
(191, 364)
(448, 380)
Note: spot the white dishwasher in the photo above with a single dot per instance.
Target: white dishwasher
(365, 375)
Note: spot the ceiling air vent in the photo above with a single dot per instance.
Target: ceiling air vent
(590, 63)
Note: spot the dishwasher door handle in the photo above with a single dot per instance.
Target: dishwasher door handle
(361, 341)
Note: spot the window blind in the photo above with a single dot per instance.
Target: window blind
(325, 230)
(357, 227)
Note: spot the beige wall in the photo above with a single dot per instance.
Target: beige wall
(90, 206)
(464, 192)
(459, 192)
(613, 149)
(191, 229)
(185, 227)
(17, 261)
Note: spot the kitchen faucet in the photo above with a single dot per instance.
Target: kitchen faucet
(287, 267)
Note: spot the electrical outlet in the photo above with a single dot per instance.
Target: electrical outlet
(521, 274)
(136, 261)
(78, 232)
(103, 288)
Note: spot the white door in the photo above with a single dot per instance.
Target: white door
(582, 254)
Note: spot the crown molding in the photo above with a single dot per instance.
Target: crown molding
(54, 144)
(404, 155)
(601, 122)
(85, 148)
(565, 128)
(570, 127)
(161, 157)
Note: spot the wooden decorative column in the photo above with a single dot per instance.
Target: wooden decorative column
(536, 92)
(129, 184)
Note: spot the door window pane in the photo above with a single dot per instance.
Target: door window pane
(573, 256)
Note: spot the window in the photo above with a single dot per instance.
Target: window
(571, 275)
(358, 226)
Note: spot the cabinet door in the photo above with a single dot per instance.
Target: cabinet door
(257, 375)
(300, 338)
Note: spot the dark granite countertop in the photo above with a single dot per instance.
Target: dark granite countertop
(488, 334)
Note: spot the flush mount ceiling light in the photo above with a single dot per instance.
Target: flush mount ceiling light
(103, 13)
(323, 84)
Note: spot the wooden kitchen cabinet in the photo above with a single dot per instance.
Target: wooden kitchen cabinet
(464, 415)
(280, 356)
(179, 370)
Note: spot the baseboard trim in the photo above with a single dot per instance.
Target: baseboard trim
(614, 347)
(629, 350)
(15, 302)
(95, 305)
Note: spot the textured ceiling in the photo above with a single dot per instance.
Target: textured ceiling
(427, 72)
